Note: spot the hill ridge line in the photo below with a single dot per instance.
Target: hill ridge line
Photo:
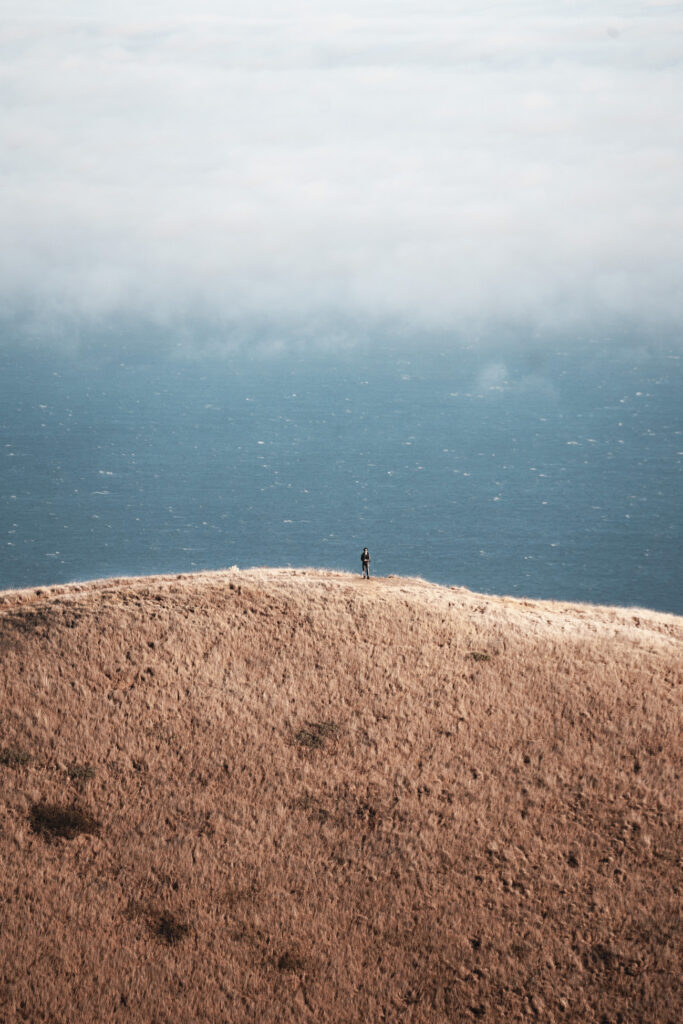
(633, 623)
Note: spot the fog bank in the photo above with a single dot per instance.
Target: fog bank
(298, 174)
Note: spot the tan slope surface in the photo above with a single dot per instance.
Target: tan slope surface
(280, 795)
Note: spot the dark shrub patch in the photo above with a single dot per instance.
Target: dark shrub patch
(306, 738)
(315, 734)
(169, 928)
(13, 757)
(290, 962)
(52, 821)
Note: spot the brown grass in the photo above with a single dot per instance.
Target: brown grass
(283, 795)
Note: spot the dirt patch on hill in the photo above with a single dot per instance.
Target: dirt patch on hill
(288, 795)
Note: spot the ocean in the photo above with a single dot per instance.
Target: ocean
(544, 472)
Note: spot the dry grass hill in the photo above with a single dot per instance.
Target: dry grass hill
(279, 795)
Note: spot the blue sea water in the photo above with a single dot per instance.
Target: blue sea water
(551, 474)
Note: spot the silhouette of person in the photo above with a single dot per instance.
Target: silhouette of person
(365, 562)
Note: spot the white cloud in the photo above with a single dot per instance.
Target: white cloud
(444, 166)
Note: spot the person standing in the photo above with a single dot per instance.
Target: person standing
(365, 562)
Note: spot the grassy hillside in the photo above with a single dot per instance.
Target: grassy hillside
(283, 795)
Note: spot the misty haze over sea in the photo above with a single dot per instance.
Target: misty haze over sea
(279, 281)
(525, 472)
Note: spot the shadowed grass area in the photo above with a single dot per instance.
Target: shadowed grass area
(315, 734)
(291, 961)
(13, 757)
(55, 822)
(81, 772)
(169, 928)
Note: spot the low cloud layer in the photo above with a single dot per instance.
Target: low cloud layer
(516, 163)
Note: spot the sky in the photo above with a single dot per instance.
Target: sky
(303, 169)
